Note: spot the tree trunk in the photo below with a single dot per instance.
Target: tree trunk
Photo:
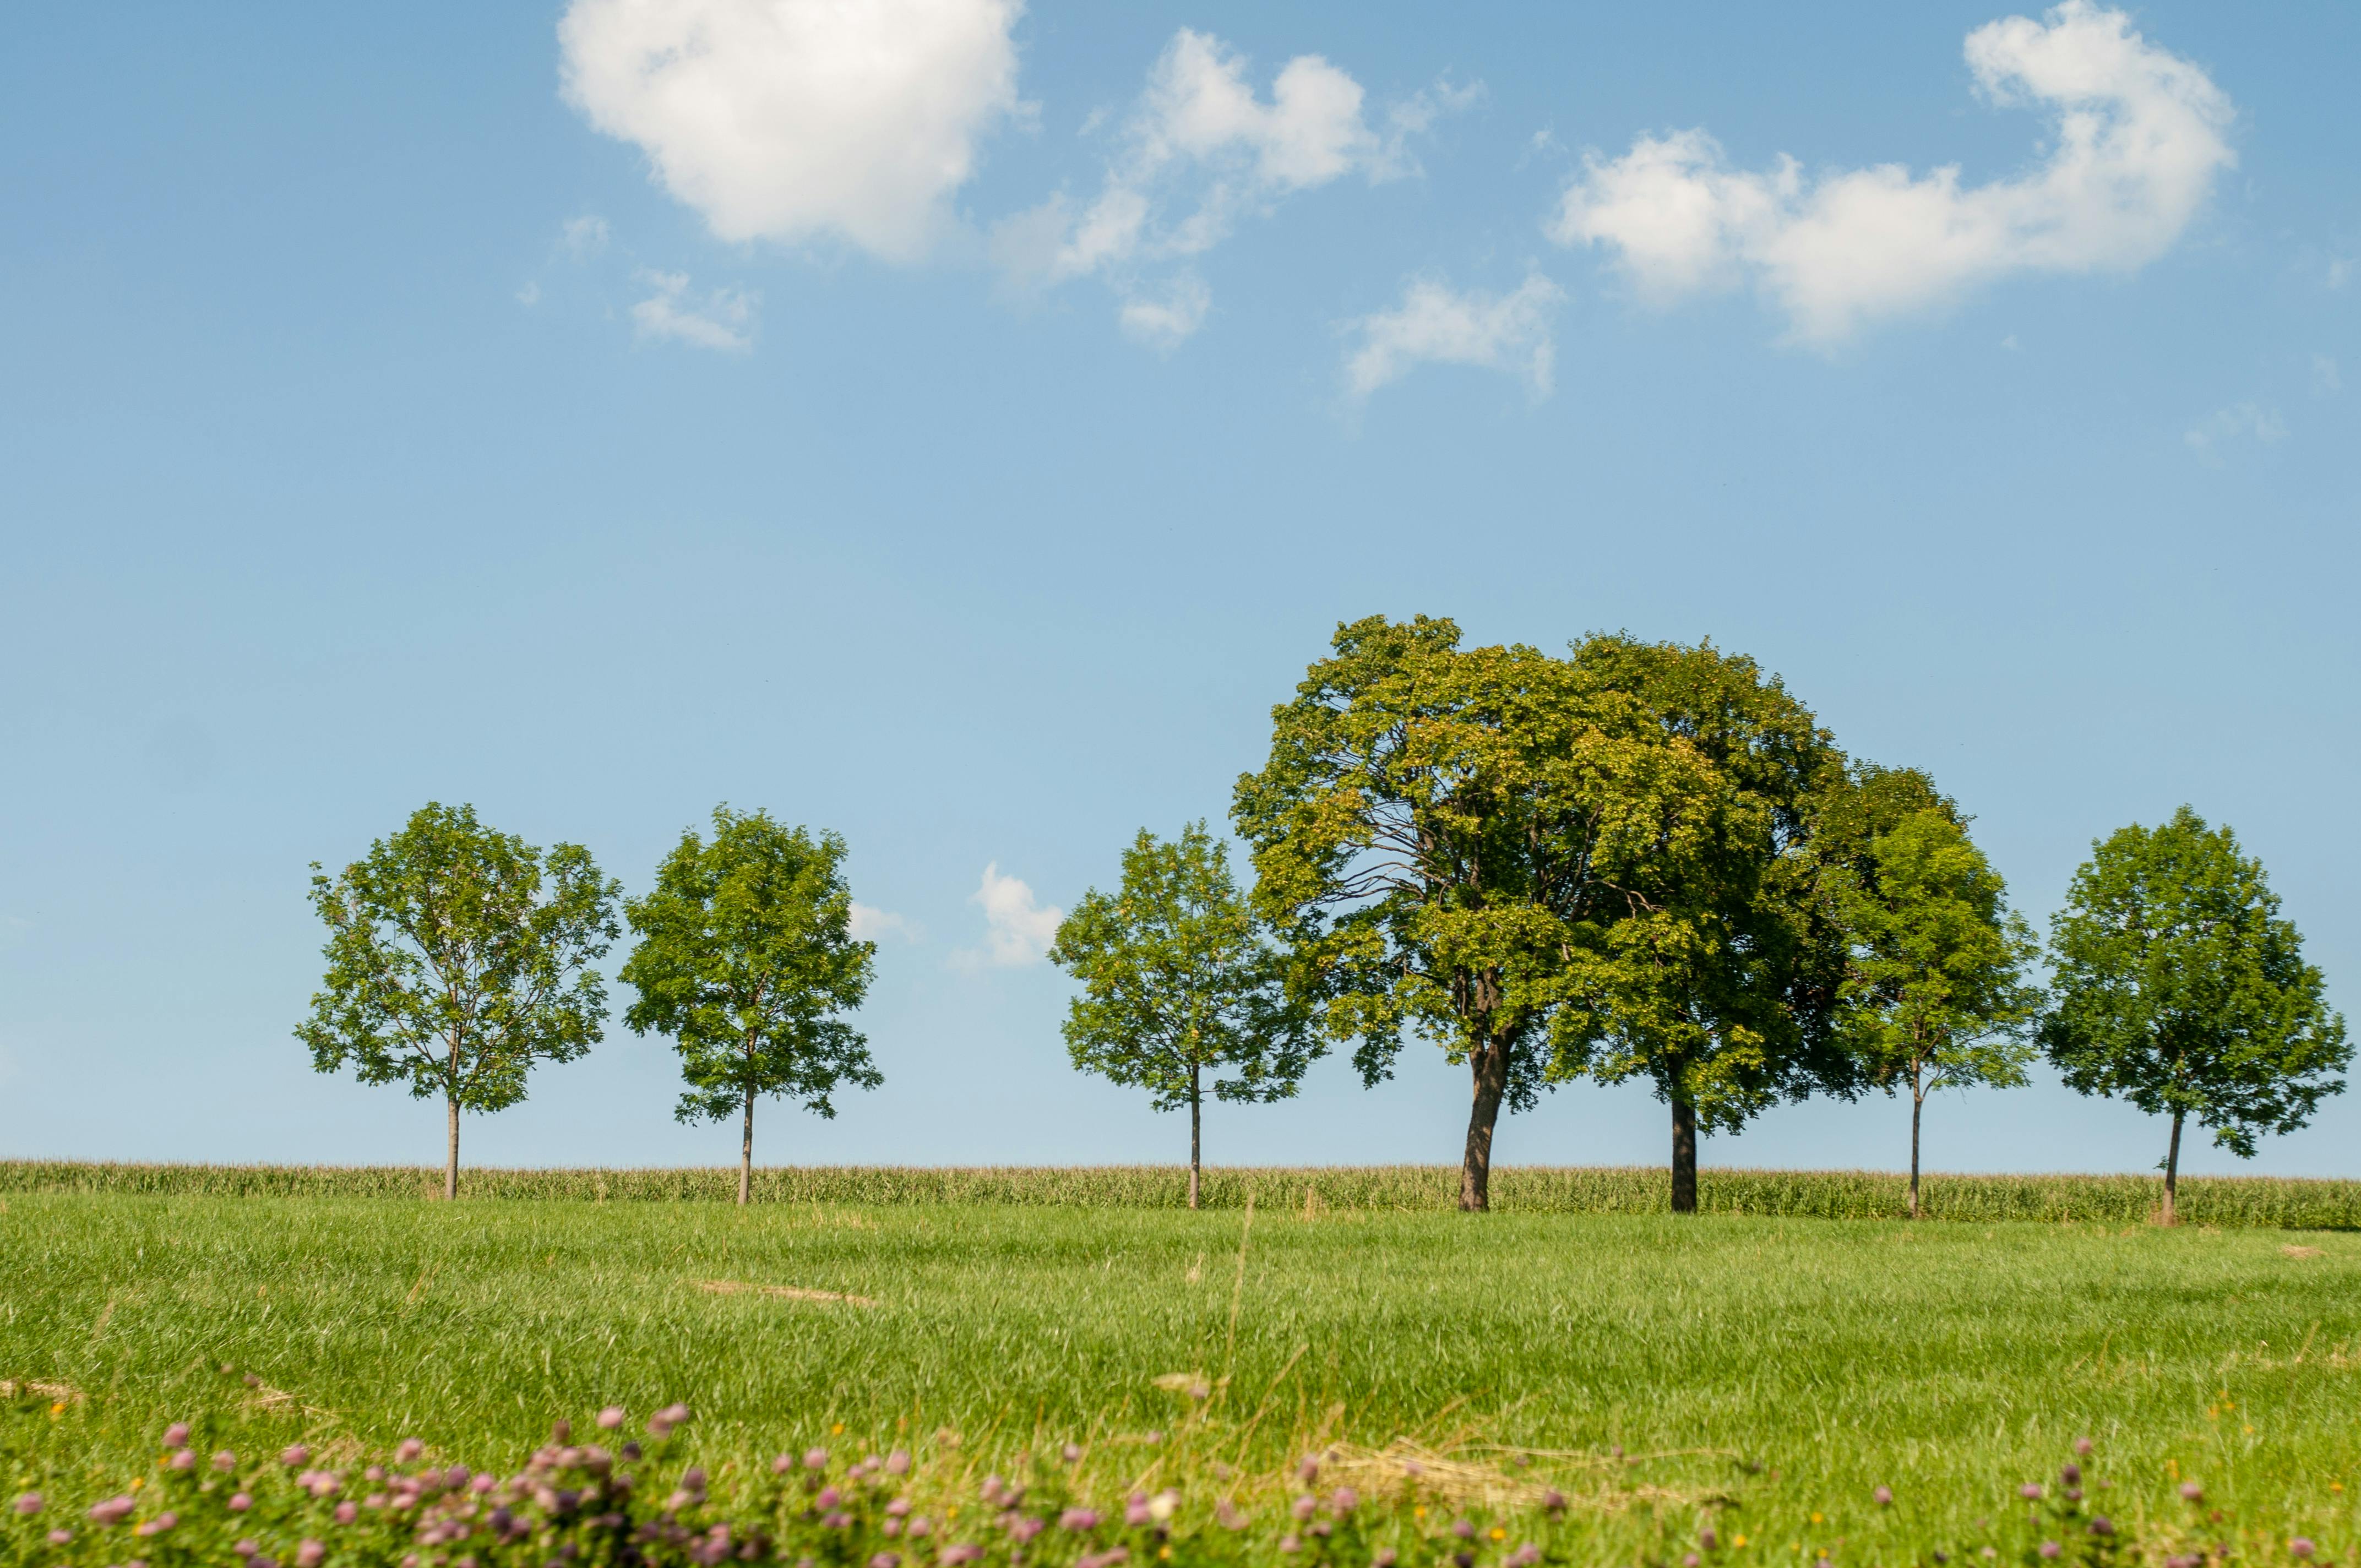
(1490, 1067)
(2172, 1173)
(1683, 1157)
(1917, 1103)
(451, 1159)
(746, 1156)
(1196, 1108)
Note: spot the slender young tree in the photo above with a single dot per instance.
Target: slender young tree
(745, 955)
(1177, 981)
(1447, 840)
(1933, 996)
(2177, 986)
(1724, 992)
(457, 957)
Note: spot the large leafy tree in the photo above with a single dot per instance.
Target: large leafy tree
(1179, 981)
(457, 957)
(1446, 836)
(1723, 989)
(1933, 994)
(2178, 985)
(745, 956)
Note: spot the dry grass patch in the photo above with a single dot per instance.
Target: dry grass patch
(784, 1292)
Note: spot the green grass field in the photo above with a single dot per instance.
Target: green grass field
(1768, 1372)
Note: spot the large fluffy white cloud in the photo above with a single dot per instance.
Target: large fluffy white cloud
(2140, 138)
(1436, 324)
(792, 119)
(1200, 150)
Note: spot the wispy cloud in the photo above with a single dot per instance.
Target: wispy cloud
(584, 236)
(1202, 150)
(723, 319)
(874, 925)
(2327, 380)
(2233, 426)
(1435, 324)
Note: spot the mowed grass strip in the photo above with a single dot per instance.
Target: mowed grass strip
(1788, 1366)
(2283, 1202)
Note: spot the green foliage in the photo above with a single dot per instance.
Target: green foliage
(745, 955)
(2177, 986)
(1178, 981)
(457, 957)
(1723, 989)
(1472, 845)
(1933, 996)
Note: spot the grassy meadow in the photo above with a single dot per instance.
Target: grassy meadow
(1762, 1374)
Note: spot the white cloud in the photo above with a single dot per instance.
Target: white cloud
(1018, 930)
(1435, 324)
(724, 321)
(2239, 421)
(2139, 138)
(1166, 319)
(530, 295)
(2326, 379)
(1201, 150)
(794, 119)
(583, 237)
(872, 925)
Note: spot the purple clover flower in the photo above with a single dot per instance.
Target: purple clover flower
(29, 1504)
(1078, 1520)
(2302, 1547)
(1882, 1496)
(225, 1462)
(176, 1435)
(2050, 1549)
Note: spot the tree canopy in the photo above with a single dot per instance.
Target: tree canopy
(1177, 981)
(1723, 986)
(457, 957)
(745, 956)
(2177, 986)
(1446, 839)
(1933, 994)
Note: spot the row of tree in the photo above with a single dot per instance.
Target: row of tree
(1645, 860)
(459, 955)
(1635, 861)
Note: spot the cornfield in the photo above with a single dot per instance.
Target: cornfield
(2226, 1201)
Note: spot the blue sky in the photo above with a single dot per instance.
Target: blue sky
(959, 434)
